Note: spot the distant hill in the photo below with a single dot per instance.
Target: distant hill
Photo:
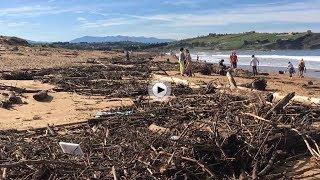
(93, 39)
(13, 41)
(37, 42)
(106, 46)
(252, 40)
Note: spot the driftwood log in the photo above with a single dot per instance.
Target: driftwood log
(232, 82)
(283, 102)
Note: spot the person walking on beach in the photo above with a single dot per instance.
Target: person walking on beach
(302, 68)
(181, 60)
(290, 69)
(254, 63)
(188, 70)
(233, 59)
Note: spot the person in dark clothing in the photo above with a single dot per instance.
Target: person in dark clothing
(291, 69)
(222, 67)
(233, 60)
(302, 68)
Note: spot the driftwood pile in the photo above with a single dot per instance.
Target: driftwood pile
(196, 135)
(192, 136)
(111, 78)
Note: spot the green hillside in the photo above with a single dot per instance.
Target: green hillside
(253, 40)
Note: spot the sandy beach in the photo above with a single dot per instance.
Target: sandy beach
(99, 98)
(65, 107)
(159, 90)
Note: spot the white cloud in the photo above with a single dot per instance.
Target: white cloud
(81, 19)
(16, 24)
(106, 23)
(13, 23)
(307, 12)
(38, 10)
(182, 2)
(24, 10)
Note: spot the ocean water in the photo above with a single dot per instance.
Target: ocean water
(270, 61)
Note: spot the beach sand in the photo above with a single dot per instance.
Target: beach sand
(64, 108)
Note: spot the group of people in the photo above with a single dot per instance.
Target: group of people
(234, 63)
(255, 62)
(301, 67)
(185, 62)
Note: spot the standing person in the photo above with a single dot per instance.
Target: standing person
(290, 69)
(181, 60)
(222, 67)
(254, 63)
(302, 68)
(188, 70)
(127, 55)
(197, 57)
(233, 59)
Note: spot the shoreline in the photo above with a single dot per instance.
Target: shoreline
(270, 61)
(281, 83)
(311, 73)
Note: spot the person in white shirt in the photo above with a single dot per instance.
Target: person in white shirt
(254, 63)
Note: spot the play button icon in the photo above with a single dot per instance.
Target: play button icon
(159, 90)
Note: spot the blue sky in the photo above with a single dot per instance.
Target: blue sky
(64, 20)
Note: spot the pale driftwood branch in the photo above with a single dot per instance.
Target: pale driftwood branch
(232, 82)
(283, 102)
(114, 173)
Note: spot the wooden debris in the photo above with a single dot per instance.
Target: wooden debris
(283, 102)
(158, 129)
(13, 98)
(6, 104)
(232, 82)
(192, 136)
(259, 84)
(41, 96)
